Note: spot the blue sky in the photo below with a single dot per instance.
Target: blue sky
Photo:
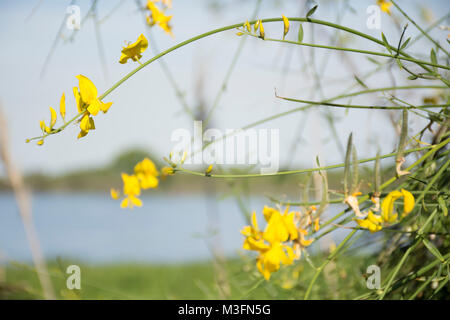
(145, 109)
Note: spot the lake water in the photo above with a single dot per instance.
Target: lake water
(93, 228)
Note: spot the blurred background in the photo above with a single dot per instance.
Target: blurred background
(190, 223)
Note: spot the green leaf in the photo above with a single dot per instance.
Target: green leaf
(360, 82)
(377, 175)
(386, 43)
(434, 251)
(373, 60)
(300, 33)
(311, 12)
(403, 135)
(354, 170)
(347, 163)
(433, 56)
(433, 59)
(405, 43)
(412, 77)
(443, 206)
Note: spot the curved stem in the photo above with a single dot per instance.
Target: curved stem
(335, 166)
(219, 30)
(374, 53)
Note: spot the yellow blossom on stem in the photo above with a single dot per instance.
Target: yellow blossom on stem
(271, 244)
(62, 106)
(134, 51)
(167, 171)
(209, 170)
(385, 6)
(89, 97)
(256, 25)
(86, 124)
(269, 260)
(146, 174)
(286, 26)
(375, 222)
(247, 26)
(115, 194)
(387, 206)
(131, 189)
(372, 222)
(262, 34)
(158, 17)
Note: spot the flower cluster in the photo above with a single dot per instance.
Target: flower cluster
(88, 105)
(280, 242)
(157, 16)
(374, 222)
(145, 177)
(247, 28)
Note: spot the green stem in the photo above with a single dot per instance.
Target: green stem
(341, 165)
(420, 29)
(349, 106)
(373, 53)
(329, 259)
(405, 256)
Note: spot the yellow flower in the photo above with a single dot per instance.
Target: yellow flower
(316, 224)
(146, 173)
(80, 105)
(271, 244)
(387, 206)
(86, 124)
(158, 17)
(134, 51)
(115, 194)
(269, 261)
(131, 189)
(286, 26)
(62, 106)
(372, 222)
(89, 97)
(262, 34)
(279, 227)
(40, 142)
(253, 240)
(247, 26)
(256, 25)
(375, 222)
(209, 170)
(385, 6)
(167, 171)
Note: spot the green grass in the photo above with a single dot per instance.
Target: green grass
(341, 280)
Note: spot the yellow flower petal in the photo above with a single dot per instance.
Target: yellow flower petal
(286, 26)
(52, 117)
(114, 194)
(88, 91)
(76, 94)
(62, 106)
(134, 51)
(409, 202)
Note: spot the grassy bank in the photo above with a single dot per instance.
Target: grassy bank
(189, 281)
